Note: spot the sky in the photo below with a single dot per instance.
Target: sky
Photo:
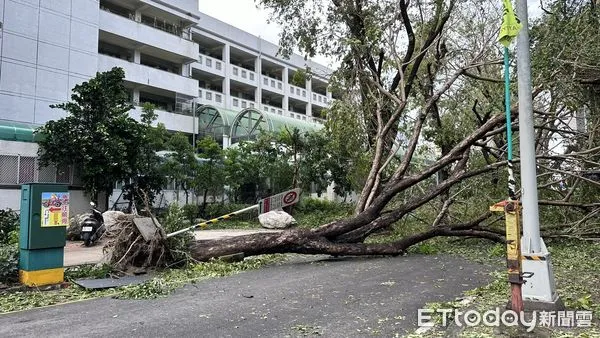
(242, 14)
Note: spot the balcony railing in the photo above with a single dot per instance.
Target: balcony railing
(238, 103)
(272, 84)
(273, 110)
(243, 75)
(212, 64)
(149, 76)
(211, 97)
(297, 92)
(319, 99)
(154, 22)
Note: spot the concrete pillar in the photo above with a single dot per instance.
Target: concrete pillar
(309, 96)
(286, 89)
(226, 83)
(136, 96)
(258, 92)
(226, 141)
(137, 56)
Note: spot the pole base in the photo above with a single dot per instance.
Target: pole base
(539, 289)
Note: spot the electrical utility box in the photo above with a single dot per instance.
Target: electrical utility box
(44, 220)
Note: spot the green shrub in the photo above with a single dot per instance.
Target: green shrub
(171, 221)
(219, 209)
(9, 227)
(309, 205)
(9, 263)
(191, 212)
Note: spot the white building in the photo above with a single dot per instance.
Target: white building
(205, 76)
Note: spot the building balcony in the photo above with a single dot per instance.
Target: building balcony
(146, 35)
(172, 121)
(211, 97)
(149, 76)
(243, 75)
(320, 100)
(272, 85)
(297, 93)
(210, 65)
(239, 104)
(273, 110)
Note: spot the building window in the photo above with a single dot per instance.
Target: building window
(208, 96)
(273, 110)
(298, 91)
(208, 62)
(26, 169)
(279, 85)
(251, 76)
(291, 89)
(218, 65)
(244, 74)
(251, 105)
(244, 104)
(235, 102)
(218, 98)
(279, 112)
(266, 81)
(235, 71)
(200, 59)
(273, 83)
(320, 99)
(314, 97)
(304, 93)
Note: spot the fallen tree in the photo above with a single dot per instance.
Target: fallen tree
(391, 94)
(420, 102)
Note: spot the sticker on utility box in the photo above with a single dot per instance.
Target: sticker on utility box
(55, 209)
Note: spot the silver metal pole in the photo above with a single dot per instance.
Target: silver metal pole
(531, 220)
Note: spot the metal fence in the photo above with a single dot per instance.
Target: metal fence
(17, 169)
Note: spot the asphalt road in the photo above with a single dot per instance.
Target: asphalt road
(329, 298)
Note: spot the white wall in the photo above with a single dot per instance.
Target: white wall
(47, 48)
(149, 76)
(18, 148)
(132, 30)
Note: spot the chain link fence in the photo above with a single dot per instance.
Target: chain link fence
(17, 169)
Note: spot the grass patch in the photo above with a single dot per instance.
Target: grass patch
(576, 267)
(160, 286)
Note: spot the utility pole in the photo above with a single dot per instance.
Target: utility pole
(539, 290)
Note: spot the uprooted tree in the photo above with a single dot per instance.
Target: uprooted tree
(419, 93)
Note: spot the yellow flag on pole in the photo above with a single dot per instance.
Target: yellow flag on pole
(510, 24)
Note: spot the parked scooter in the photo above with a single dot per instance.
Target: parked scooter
(92, 227)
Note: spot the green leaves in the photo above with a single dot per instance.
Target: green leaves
(100, 137)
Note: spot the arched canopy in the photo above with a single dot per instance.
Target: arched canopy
(246, 124)
(215, 122)
(249, 122)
